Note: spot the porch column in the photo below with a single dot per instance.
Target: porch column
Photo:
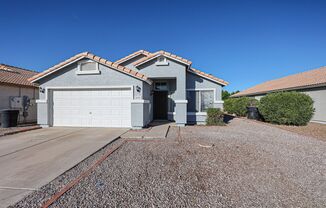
(140, 115)
(181, 100)
(42, 113)
(181, 112)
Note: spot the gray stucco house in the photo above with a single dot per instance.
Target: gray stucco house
(89, 91)
(312, 82)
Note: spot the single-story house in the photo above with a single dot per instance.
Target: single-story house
(16, 92)
(311, 82)
(89, 91)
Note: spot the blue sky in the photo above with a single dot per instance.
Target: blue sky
(244, 42)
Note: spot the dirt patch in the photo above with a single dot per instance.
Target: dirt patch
(315, 130)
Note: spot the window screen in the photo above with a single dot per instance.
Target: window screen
(193, 101)
(207, 100)
(88, 66)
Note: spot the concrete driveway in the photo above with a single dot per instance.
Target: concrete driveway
(32, 159)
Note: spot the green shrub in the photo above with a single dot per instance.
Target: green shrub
(215, 117)
(239, 106)
(290, 108)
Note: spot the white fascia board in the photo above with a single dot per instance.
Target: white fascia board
(140, 101)
(181, 101)
(200, 75)
(57, 69)
(165, 57)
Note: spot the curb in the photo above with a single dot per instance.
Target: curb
(20, 131)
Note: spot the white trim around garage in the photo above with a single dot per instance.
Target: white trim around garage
(181, 101)
(131, 87)
(140, 101)
(191, 113)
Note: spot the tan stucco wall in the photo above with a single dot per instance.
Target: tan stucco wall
(319, 97)
(7, 91)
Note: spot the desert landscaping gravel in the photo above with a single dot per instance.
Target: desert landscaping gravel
(243, 164)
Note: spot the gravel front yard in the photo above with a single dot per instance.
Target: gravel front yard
(244, 164)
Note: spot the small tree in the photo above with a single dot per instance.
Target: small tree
(290, 108)
(215, 117)
(239, 106)
(225, 94)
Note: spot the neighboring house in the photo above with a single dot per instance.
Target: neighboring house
(311, 82)
(15, 90)
(89, 91)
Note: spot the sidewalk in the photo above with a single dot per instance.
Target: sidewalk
(156, 130)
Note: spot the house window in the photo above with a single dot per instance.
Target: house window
(161, 61)
(88, 67)
(200, 100)
(161, 86)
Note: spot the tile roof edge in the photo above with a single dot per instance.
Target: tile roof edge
(133, 55)
(11, 66)
(32, 85)
(94, 58)
(208, 76)
(240, 94)
(164, 53)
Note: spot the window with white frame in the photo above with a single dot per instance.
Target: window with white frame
(88, 67)
(200, 100)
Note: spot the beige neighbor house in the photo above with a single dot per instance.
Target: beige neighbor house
(311, 82)
(16, 92)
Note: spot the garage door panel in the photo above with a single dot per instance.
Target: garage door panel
(92, 108)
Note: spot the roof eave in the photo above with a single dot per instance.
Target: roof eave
(157, 55)
(96, 59)
(47, 74)
(131, 56)
(19, 85)
(279, 90)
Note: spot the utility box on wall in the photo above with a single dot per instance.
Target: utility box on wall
(16, 102)
(25, 106)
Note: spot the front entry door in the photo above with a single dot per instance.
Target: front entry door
(160, 105)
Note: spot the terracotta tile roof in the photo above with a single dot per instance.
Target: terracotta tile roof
(97, 59)
(160, 53)
(16, 76)
(208, 76)
(135, 54)
(312, 78)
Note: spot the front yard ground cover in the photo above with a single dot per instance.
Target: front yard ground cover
(243, 164)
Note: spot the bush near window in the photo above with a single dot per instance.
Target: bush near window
(238, 106)
(215, 117)
(290, 108)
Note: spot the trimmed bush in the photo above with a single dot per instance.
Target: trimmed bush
(215, 117)
(238, 106)
(289, 108)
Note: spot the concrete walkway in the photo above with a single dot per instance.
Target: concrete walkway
(156, 130)
(32, 159)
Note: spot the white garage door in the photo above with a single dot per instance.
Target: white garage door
(92, 108)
